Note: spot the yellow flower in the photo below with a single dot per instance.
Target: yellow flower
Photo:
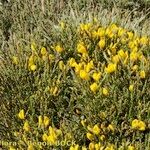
(11, 148)
(144, 40)
(21, 114)
(101, 43)
(142, 125)
(111, 68)
(46, 121)
(91, 146)
(131, 87)
(54, 90)
(121, 32)
(31, 61)
(89, 128)
(96, 129)
(134, 123)
(90, 136)
(26, 126)
(94, 87)
(142, 58)
(109, 33)
(102, 137)
(133, 56)
(72, 62)
(52, 139)
(81, 48)
(111, 127)
(89, 66)
(53, 134)
(97, 146)
(33, 46)
(15, 60)
(30, 147)
(130, 35)
(101, 32)
(84, 75)
(134, 49)
(78, 67)
(44, 137)
(121, 54)
(33, 67)
(40, 122)
(96, 76)
(113, 48)
(85, 27)
(138, 124)
(105, 91)
(115, 59)
(126, 58)
(52, 131)
(75, 147)
(62, 25)
(114, 28)
(71, 148)
(61, 65)
(58, 48)
(130, 147)
(83, 122)
(142, 74)
(135, 68)
(94, 34)
(131, 45)
(43, 51)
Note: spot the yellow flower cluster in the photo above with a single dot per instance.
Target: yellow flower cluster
(21, 114)
(119, 47)
(138, 125)
(43, 121)
(101, 55)
(97, 136)
(32, 62)
(52, 136)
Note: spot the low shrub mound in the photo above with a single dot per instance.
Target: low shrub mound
(87, 87)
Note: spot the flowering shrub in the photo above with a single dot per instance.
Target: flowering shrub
(90, 88)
